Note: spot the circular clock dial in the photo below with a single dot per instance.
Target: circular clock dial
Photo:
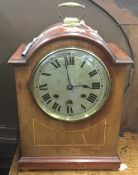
(70, 84)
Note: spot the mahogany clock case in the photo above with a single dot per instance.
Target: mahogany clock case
(46, 140)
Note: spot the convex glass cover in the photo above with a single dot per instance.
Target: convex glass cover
(70, 84)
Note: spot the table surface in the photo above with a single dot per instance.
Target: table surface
(128, 153)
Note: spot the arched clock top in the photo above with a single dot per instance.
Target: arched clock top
(80, 32)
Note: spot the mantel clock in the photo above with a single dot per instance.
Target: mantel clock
(69, 85)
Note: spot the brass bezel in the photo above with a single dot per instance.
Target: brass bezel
(81, 116)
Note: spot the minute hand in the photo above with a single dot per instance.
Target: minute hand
(67, 74)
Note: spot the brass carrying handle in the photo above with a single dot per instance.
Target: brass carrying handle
(71, 5)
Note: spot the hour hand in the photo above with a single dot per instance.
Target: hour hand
(83, 85)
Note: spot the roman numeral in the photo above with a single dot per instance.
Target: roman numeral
(92, 97)
(69, 109)
(92, 73)
(49, 101)
(43, 87)
(56, 106)
(83, 64)
(56, 64)
(83, 107)
(45, 74)
(46, 97)
(96, 85)
(69, 60)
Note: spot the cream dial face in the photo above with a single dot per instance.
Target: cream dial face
(70, 84)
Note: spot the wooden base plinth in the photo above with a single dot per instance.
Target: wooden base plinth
(35, 163)
(128, 153)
